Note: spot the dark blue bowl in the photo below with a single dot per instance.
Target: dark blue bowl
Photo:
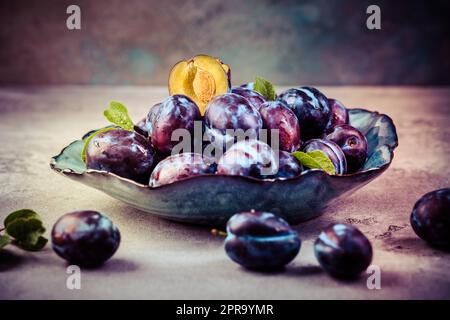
(213, 199)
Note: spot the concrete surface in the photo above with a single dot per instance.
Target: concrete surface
(159, 259)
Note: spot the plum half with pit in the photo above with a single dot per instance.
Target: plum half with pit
(255, 98)
(339, 114)
(125, 153)
(200, 78)
(331, 150)
(251, 158)
(352, 142)
(85, 238)
(179, 167)
(175, 113)
(261, 241)
(311, 108)
(276, 115)
(430, 218)
(343, 251)
(228, 116)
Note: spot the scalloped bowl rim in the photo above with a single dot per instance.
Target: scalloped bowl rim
(237, 177)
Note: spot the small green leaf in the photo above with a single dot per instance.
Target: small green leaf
(26, 228)
(315, 159)
(265, 88)
(35, 245)
(22, 213)
(117, 113)
(88, 139)
(4, 240)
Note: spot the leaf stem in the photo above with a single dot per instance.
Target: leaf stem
(2, 229)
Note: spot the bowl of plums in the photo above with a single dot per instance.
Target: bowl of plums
(211, 149)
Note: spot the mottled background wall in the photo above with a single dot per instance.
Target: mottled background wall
(288, 42)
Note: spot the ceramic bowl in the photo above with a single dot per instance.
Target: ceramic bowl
(212, 199)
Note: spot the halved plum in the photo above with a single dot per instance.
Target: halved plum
(200, 78)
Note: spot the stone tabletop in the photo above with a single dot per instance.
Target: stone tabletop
(159, 259)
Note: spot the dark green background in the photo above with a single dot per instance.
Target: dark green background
(288, 42)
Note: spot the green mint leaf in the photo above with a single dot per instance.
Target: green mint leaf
(117, 113)
(88, 139)
(315, 160)
(4, 240)
(35, 245)
(22, 213)
(26, 227)
(265, 88)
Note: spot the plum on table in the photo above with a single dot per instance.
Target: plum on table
(343, 251)
(430, 218)
(85, 238)
(261, 240)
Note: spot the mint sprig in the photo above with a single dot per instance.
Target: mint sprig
(25, 229)
(315, 159)
(117, 114)
(265, 88)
